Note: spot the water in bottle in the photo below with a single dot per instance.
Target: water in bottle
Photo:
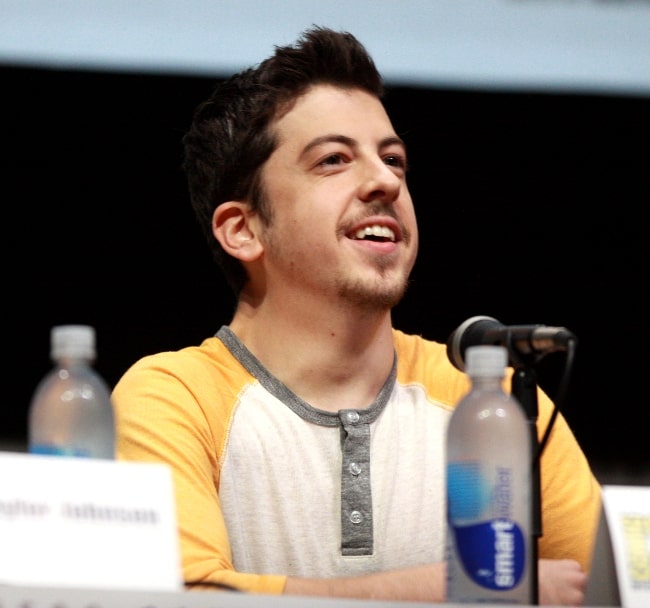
(71, 413)
(489, 489)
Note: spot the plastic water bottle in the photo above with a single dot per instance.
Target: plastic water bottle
(489, 489)
(71, 413)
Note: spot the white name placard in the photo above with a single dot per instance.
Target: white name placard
(620, 572)
(77, 522)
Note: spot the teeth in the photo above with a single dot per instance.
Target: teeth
(377, 231)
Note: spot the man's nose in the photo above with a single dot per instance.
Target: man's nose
(379, 182)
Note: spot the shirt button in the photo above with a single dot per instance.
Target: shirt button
(353, 417)
(356, 517)
(355, 468)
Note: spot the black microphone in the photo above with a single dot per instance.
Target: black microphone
(521, 341)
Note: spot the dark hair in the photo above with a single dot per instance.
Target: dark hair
(230, 136)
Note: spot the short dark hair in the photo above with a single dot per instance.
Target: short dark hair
(230, 138)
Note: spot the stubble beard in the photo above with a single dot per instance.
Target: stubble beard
(378, 296)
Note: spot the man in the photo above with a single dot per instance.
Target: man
(307, 437)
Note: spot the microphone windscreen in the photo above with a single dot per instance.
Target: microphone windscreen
(470, 332)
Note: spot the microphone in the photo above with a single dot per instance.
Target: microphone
(521, 341)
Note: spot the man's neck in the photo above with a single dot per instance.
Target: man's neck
(325, 357)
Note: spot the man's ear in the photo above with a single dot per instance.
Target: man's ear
(235, 227)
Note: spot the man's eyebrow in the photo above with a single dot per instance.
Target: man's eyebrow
(393, 140)
(330, 138)
(348, 141)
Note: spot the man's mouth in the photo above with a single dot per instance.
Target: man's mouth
(375, 232)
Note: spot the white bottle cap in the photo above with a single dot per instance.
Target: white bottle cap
(486, 360)
(72, 341)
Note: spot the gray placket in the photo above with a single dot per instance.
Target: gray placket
(356, 495)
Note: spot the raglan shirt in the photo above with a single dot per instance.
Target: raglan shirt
(269, 487)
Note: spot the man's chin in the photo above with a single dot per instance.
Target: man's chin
(375, 298)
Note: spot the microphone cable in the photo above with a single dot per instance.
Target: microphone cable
(559, 399)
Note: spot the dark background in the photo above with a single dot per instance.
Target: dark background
(532, 209)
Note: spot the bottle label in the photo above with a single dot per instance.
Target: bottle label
(489, 545)
(492, 553)
(55, 450)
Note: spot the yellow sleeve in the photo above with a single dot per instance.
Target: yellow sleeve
(161, 417)
(571, 494)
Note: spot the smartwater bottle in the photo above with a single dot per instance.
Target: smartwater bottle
(71, 413)
(489, 489)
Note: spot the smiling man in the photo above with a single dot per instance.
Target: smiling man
(307, 437)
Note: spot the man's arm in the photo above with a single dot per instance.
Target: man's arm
(561, 583)
(422, 583)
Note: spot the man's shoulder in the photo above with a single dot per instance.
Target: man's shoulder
(417, 343)
(193, 379)
(209, 348)
(425, 362)
(208, 360)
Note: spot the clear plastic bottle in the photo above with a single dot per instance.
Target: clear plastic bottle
(489, 489)
(71, 413)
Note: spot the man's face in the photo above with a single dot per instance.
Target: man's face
(343, 224)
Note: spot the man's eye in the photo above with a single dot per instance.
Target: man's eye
(395, 160)
(332, 159)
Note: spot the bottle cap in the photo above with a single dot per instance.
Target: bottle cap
(486, 360)
(72, 341)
